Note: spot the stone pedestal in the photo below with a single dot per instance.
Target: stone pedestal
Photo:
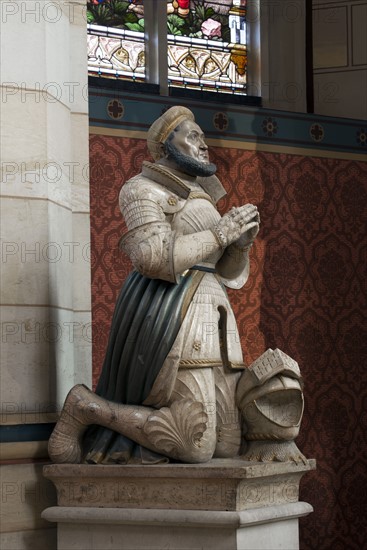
(229, 504)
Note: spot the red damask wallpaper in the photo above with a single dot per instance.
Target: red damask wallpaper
(306, 295)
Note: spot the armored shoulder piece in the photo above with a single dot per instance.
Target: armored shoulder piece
(143, 201)
(148, 242)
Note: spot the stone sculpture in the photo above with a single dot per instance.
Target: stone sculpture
(174, 381)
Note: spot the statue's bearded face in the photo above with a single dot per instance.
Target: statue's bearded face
(186, 147)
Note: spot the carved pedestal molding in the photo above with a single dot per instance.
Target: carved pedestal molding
(229, 504)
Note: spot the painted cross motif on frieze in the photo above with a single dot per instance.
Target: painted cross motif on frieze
(317, 132)
(115, 109)
(220, 121)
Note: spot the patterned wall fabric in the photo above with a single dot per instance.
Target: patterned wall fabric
(306, 295)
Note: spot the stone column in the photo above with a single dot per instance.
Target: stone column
(45, 316)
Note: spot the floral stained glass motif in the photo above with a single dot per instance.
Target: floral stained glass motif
(206, 42)
(207, 45)
(116, 38)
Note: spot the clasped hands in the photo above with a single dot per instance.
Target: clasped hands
(240, 225)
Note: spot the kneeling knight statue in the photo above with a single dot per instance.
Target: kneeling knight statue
(173, 385)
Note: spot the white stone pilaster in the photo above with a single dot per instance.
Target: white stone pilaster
(45, 239)
(45, 205)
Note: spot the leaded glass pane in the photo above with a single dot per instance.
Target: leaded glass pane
(116, 38)
(207, 44)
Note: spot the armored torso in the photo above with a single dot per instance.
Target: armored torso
(157, 209)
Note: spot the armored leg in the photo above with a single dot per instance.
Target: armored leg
(181, 431)
(228, 416)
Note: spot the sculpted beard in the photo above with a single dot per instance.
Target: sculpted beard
(188, 164)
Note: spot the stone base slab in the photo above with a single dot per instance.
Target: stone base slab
(221, 484)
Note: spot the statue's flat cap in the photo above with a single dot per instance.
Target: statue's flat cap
(163, 126)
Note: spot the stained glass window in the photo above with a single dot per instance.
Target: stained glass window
(207, 44)
(206, 41)
(116, 38)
